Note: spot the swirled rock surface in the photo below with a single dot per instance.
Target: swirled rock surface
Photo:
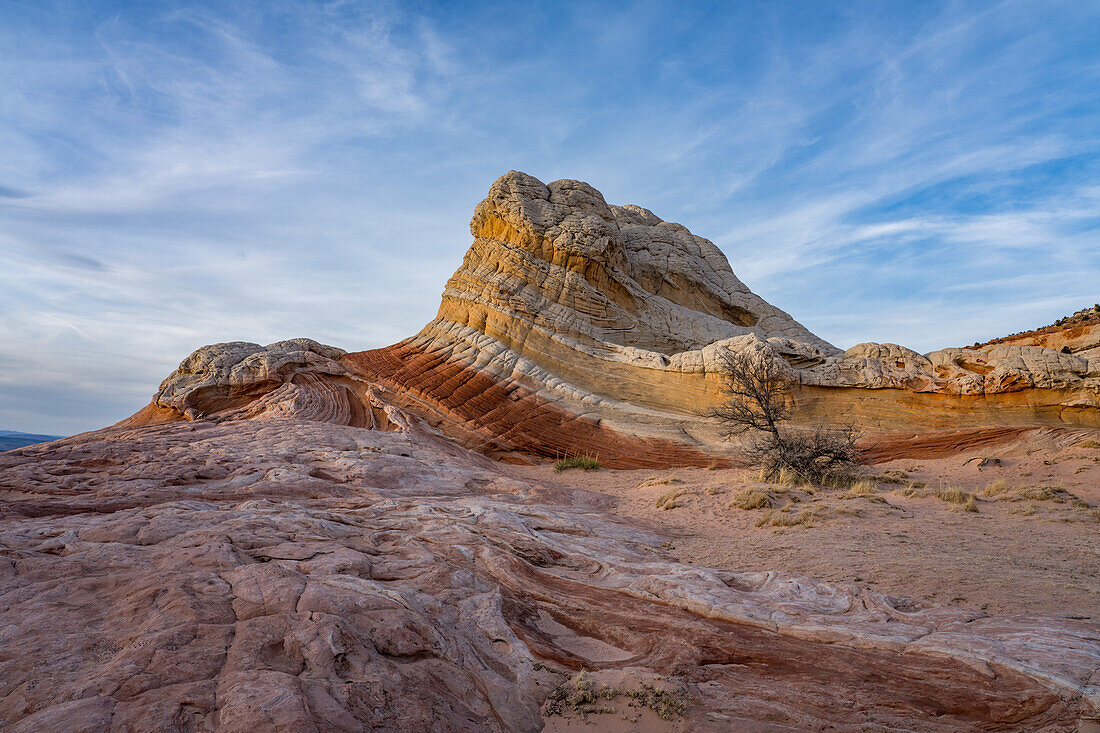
(282, 574)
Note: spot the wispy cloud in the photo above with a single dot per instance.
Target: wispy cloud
(176, 174)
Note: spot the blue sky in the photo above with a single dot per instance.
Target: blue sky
(177, 174)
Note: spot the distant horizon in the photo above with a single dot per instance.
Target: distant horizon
(179, 174)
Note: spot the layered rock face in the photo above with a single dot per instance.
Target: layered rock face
(281, 574)
(574, 326)
(1078, 334)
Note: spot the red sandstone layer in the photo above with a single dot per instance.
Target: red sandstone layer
(502, 418)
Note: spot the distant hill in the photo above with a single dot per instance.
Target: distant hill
(12, 439)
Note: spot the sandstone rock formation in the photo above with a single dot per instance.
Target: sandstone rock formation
(574, 326)
(282, 574)
(1078, 334)
(290, 537)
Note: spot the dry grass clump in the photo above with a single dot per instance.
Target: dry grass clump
(783, 477)
(668, 500)
(863, 489)
(1025, 511)
(969, 505)
(960, 501)
(753, 498)
(1089, 444)
(954, 495)
(1000, 490)
(804, 518)
(588, 463)
(666, 704)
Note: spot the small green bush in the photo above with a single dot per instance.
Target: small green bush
(588, 463)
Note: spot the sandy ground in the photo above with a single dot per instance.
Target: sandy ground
(1010, 556)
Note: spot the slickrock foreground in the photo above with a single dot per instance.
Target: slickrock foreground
(280, 574)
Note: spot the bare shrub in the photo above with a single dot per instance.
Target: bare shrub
(757, 390)
(804, 518)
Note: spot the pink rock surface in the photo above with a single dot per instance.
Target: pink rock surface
(290, 575)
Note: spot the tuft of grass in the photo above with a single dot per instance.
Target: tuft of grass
(961, 501)
(955, 495)
(785, 477)
(753, 498)
(804, 518)
(965, 506)
(668, 501)
(862, 489)
(588, 463)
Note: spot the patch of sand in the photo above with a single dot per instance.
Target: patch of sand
(1009, 557)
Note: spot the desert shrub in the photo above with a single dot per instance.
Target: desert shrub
(817, 456)
(667, 704)
(583, 698)
(757, 389)
(580, 697)
(753, 498)
(804, 518)
(588, 463)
